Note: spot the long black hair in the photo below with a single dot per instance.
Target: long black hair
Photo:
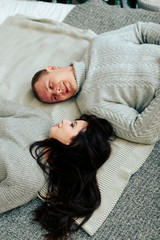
(72, 185)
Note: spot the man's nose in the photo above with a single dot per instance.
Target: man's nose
(55, 90)
(65, 121)
(58, 90)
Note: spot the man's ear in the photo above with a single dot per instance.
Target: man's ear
(51, 68)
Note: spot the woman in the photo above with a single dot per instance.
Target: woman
(70, 158)
(71, 161)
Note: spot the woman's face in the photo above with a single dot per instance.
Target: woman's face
(66, 130)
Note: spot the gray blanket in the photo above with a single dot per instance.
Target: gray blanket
(136, 214)
(101, 17)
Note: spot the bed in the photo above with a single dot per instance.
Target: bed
(129, 208)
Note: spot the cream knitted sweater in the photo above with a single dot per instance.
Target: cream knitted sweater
(119, 79)
(20, 175)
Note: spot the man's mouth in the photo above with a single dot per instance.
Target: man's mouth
(67, 90)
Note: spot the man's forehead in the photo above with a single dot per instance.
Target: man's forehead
(42, 80)
(40, 87)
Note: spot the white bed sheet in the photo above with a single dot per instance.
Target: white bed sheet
(53, 11)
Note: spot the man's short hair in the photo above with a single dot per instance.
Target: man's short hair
(35, 79)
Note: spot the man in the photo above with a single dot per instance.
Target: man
(118, 79)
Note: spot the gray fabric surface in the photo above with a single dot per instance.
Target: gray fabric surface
(135, 216)
(101, 17)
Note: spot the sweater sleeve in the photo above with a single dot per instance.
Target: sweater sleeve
(20, 176)
(138, 33)
(15, 193)
(148, 32)
(129, 124)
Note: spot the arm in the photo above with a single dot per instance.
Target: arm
(20, 176)
(139, 33)
(15, 192)
(128, 124)
(148, 32)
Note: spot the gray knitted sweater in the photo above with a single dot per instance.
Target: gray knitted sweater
(119, 79)
(20, 176)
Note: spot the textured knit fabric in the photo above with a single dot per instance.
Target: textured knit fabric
(20, 176)
(101, 17)
(120, 81)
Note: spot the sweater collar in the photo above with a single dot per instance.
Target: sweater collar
(80, 73)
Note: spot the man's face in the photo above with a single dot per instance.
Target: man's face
(58, 84)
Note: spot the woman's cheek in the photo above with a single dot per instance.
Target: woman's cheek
(51, 135)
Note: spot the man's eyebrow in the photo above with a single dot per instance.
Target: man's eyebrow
(46, 85)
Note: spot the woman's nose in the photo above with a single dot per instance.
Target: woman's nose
(65, 121)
